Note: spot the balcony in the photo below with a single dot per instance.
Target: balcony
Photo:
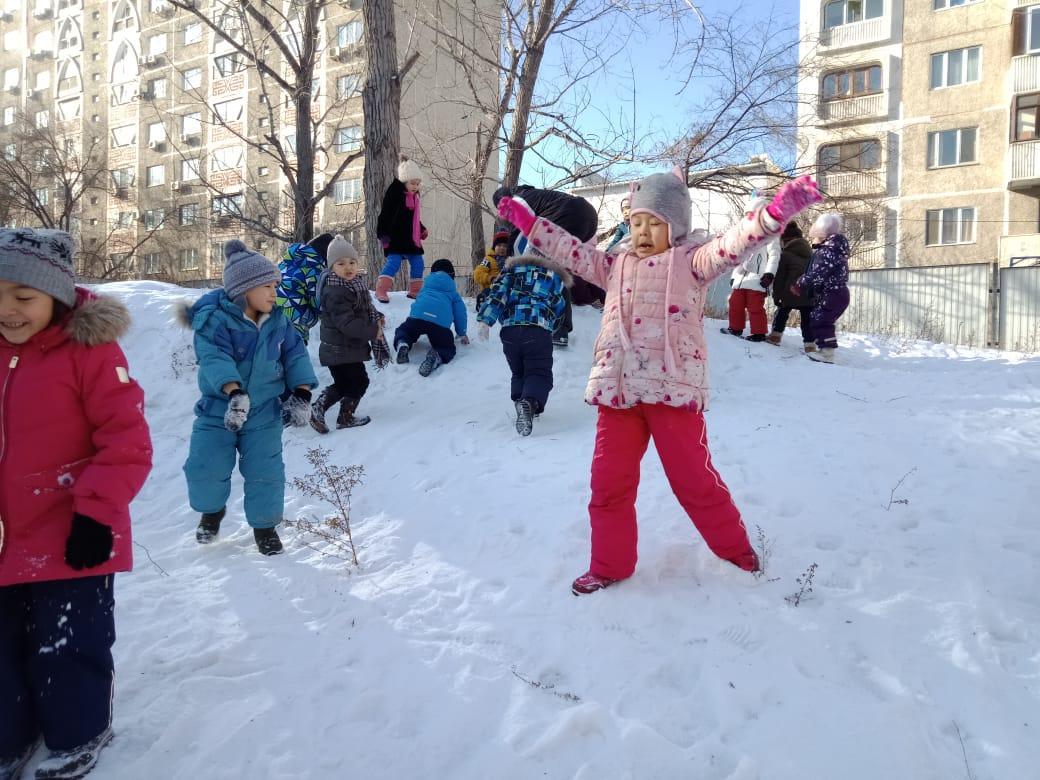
(1025, 73)
(848, 36)
(849, 184)
(854, 109)
(1025, 165)
(1019, 250)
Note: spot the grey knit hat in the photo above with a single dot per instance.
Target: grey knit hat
(41, 259)
(666, 196)
(340, 249)
(245, 269)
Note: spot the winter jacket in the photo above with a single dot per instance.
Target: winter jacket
(394, 225)
(829, 269)
(794, 259)
(621, 232)
(74, 440)
(265, 358)
(484, 275)
(301, 267)
(575, 215)
(529, 292)
(748, 275)
(651, 346)
(439, 302)
(347, 326)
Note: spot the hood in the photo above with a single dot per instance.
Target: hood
(798, 247)
(194, 315)
(565, 276)
(441, 282)
(97, 319)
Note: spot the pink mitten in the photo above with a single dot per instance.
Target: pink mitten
(516, 211)
(792, 198)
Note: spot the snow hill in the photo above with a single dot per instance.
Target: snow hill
(907, 475)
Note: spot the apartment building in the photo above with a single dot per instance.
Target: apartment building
(919, 117)
(168, 103)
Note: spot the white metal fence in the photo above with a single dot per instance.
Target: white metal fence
(1018, 314)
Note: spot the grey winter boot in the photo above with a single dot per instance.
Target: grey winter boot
(347, 418)
(329, 397)
(809, 346)
(66, 764)
(825, 355)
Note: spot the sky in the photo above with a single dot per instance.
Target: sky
(642, 85)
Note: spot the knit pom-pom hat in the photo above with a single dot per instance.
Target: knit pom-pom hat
(245, 269)
(41, 259)
(408, 170)
(340, 249)
(667, 197)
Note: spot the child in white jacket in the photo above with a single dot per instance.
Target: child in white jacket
(750, 282)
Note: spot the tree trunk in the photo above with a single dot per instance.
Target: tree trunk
(381, 101)
(303, 196)
(525, 92)
(476, 201)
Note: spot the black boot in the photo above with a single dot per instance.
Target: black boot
(731, 332)
(267, 541)
(402, 353)
(11, 768)
(209, 526)
(66, 764)
(328, 398)
(524, 417)
(347, 418)
(756, 337)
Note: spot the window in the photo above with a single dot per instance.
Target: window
(956, 67)
(348, 139)
(157, 88)
(228, 111)
(68, 79)
(346, 191)
(1025, 111)
(839, 12)
(123, 177)
(11, 78)
(188, 214)
(155, 175)
(229, 158)
(156, 133)
(852, 83)
(8, 115)
(124, 136)
(43, 80)
(124, 76)
(349, 34)
(227, 64)
(157, 45)
(189, 259)
(69, 109)
(43, 196)
(43, 118)
(851, 156)
(290, 142)
(191, 124)
(192, 33)
(348, 86)
(125, 219)
(861, 228)
(69, 37)
(191, 78)
(1025, 30)
(951, 147)
(151, 263)
(10, 152)
(190, 169)
(12, 41)
(939, 5)
(262, 170)
(123, 18)
(227, 205)
(154, 219)
(950, 226)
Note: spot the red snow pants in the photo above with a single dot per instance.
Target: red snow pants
(680, 436)
(754, 303)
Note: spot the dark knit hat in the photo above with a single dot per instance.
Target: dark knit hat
(41, 259)
(444, 264)
(320, 244)
(791, 230)
(245, 269)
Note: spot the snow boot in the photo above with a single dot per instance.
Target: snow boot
(562, 340)
(825, 355)
(731, 332)
(590, 583)
(402, 353)
(747, 561)
(524, 417)
(75, 763)
(347, 418)
(328, 398)
(11, 768)
(209, 526)
(267, 541)
(774, 338)
(383, 286)
(809, 346)
(413, 288)
(430, 363)
(756, 337)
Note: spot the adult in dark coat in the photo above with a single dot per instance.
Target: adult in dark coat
(795, 255)
(579, 218)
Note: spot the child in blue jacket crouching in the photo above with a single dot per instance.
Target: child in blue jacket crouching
(436, 308)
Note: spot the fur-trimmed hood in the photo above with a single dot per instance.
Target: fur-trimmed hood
(565, 276)
(97, 319)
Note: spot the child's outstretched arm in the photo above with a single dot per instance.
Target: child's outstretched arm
(213, 352)
(553, 241)
(458, 308)
(297, 363)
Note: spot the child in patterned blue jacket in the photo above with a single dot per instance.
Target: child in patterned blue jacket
(528, 300)
(248, 355)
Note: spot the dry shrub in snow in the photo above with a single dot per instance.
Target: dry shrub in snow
(333, 484)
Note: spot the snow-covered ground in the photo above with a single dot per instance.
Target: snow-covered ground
(908, 476)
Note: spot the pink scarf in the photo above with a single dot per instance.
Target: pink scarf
(411, 200)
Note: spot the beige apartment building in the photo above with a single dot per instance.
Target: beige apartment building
(920, 119)
(168, 103)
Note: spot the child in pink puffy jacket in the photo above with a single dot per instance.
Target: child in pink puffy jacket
(649, 376)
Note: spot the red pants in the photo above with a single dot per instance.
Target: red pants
(752, 301)
(681, 440)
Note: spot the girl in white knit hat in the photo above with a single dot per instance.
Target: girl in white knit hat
(401, 231)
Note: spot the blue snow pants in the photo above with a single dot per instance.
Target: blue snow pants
(211, 459)
(416, 265)
(55, 662)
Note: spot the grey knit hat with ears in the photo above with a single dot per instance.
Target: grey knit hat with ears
(245, 269)
(666, 196)
(41, 259)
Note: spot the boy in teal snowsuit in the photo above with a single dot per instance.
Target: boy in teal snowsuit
(248, 356)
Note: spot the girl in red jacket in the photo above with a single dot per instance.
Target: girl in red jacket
(74, 451)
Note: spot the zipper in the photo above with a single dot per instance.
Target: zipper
(3, 435)
(631, 312)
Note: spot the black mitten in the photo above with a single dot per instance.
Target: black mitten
(89, 543)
